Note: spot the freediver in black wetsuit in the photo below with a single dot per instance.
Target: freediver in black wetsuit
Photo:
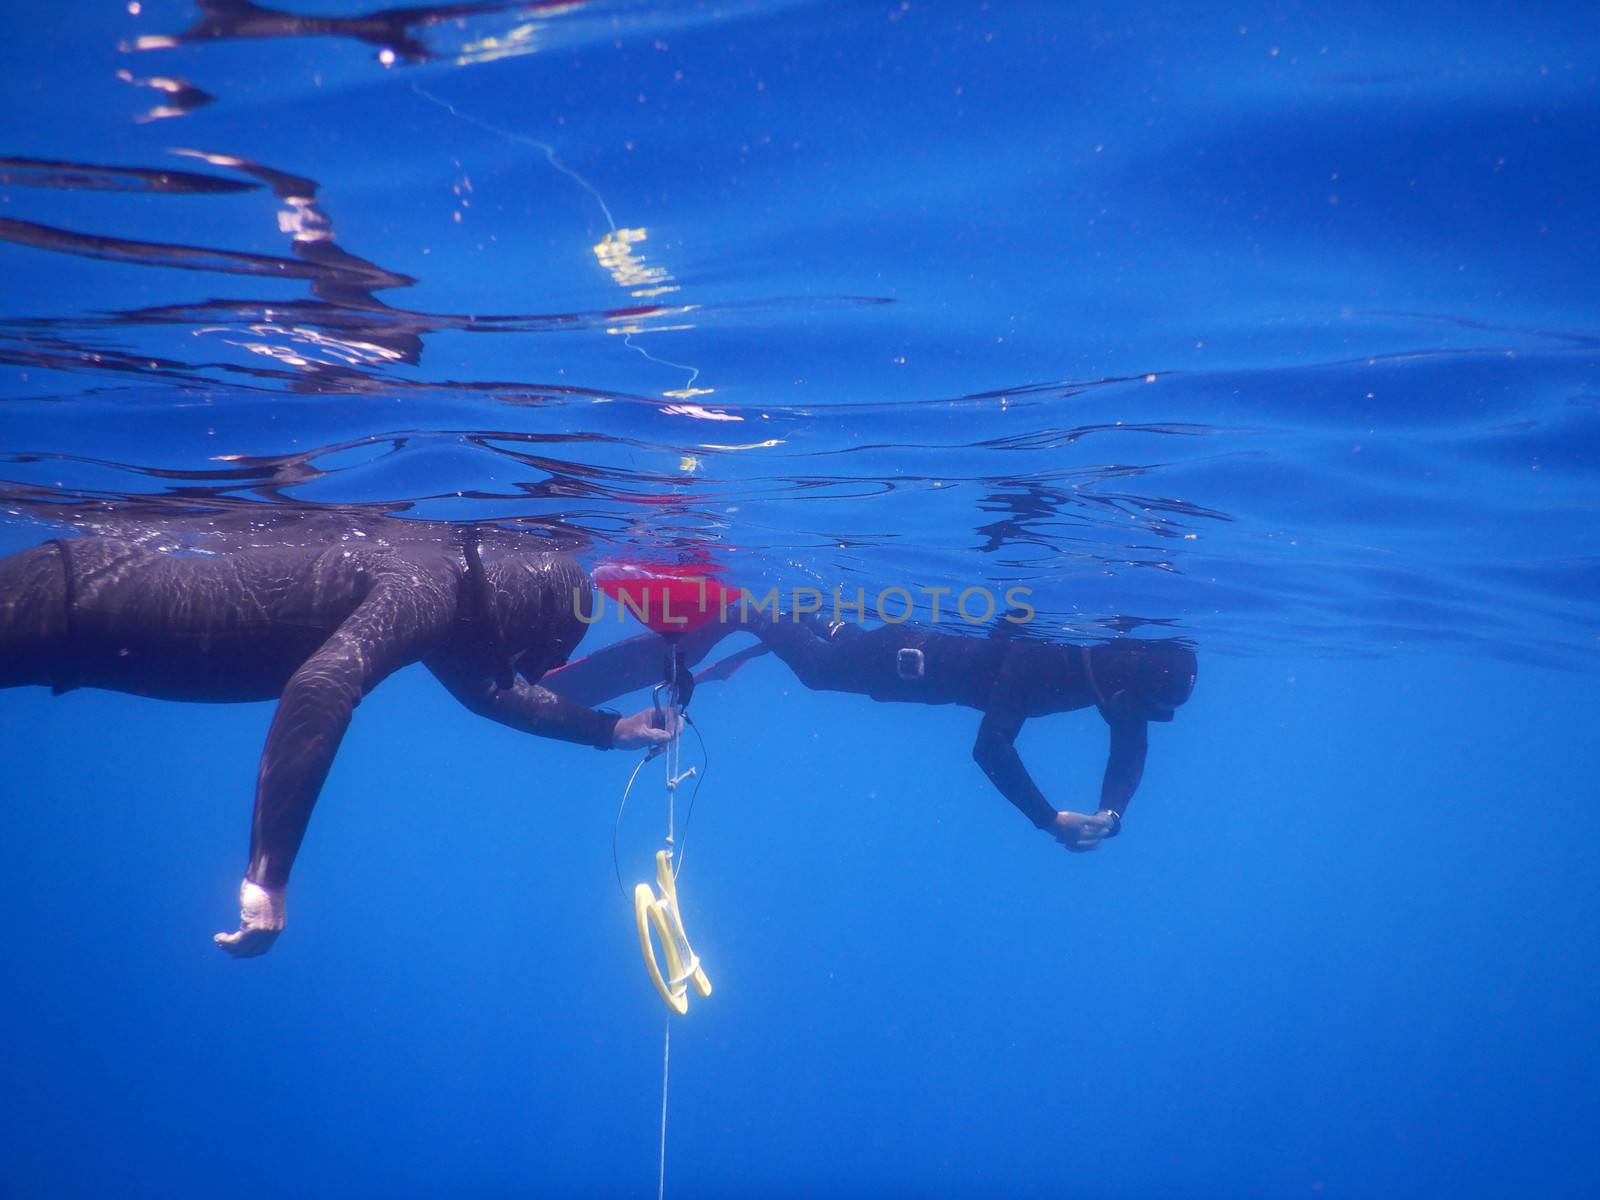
(1008, 678)
(314, 628)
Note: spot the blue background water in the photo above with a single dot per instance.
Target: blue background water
(1274, 326)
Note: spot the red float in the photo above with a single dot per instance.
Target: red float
(671, 599)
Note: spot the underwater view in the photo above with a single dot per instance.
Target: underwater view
(885, 598)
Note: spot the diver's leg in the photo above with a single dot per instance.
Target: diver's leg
(33, 616)
(629, 665)
(823, 657)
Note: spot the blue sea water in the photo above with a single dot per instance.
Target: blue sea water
(1273, 327)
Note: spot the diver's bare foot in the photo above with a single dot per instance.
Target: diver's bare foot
(262, 913)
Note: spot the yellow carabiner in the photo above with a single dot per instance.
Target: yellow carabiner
(683, 965)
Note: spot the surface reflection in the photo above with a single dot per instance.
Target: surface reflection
(1256, 498)
(338, 339)
(394, 32)
(72, 176)
(179, 97)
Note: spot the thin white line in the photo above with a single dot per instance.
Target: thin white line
(524, 139)
(550, 155)
(666, 1056)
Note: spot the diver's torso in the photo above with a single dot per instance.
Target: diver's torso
(223, 627)
(920, 664)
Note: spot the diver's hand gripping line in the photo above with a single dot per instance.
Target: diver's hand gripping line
(683, 964)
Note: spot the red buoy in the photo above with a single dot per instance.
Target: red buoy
(671, 599)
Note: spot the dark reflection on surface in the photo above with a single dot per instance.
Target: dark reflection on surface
(324, 341)
(339, 339)
(604, 481)
(584, 463)
(1046, 515)
(186, 258)
(34, 348)
(72, 176)
(591, 464)
(392, 30)
(180, 96)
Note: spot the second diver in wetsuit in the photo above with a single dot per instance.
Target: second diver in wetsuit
(315, 628)
(1008, 678)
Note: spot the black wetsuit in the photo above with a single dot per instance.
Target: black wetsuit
(314, 628)
(1007, 677)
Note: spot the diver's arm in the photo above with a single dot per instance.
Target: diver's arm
(1124, 765)
(996, 752)
(387, 630)
(533, 708)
